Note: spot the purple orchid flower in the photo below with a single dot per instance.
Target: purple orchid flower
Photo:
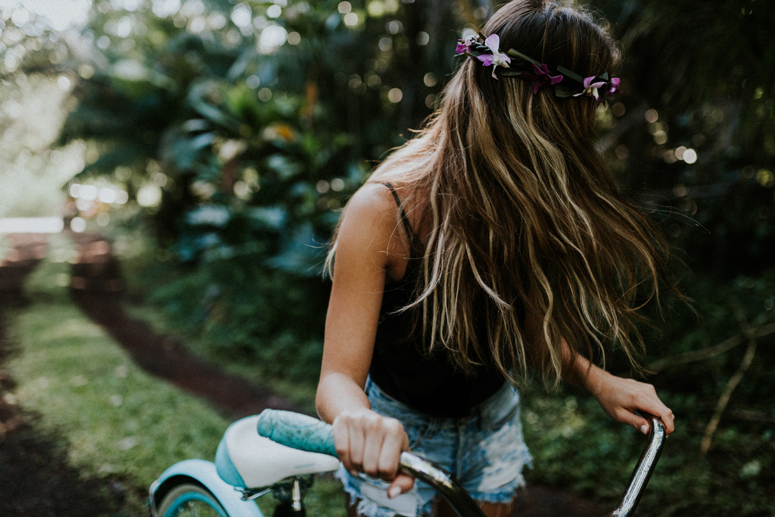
(615, 81)
(464, 45)
(541, 77)
(497, 58)
(590, 88)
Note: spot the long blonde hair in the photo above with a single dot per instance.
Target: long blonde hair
(524, 215)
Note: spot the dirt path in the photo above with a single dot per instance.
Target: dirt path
(96, 289)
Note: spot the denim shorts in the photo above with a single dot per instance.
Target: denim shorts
(485, 452)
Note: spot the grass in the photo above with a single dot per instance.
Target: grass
(112, 417)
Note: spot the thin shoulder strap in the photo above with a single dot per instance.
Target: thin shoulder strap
(404, 218)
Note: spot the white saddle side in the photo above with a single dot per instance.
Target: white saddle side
(262, 462)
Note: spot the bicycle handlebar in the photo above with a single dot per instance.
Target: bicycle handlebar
(643, 469)
(310, 434)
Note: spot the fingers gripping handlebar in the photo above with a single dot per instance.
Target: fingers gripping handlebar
(310, 434)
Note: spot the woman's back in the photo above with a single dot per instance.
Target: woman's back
(402, 364)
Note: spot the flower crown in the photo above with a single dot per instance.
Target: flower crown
(527, 68)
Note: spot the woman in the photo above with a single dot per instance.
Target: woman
(492, 244)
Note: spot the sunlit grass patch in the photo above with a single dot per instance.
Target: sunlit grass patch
(114, 417)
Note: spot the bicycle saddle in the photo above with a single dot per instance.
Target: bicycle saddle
(246, 460)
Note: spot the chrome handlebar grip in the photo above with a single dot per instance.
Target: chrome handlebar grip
(644, 468)
(456, 495)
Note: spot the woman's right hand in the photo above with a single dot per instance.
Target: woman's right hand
(369, 442)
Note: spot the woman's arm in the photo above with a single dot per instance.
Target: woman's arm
(366, 252)
(618, 397)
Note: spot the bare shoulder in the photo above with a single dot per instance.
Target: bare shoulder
(372, 208)
(370, 228)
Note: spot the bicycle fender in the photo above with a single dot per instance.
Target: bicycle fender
(204, 473)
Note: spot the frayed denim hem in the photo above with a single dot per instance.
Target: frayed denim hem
(365, 506)
(505, 494)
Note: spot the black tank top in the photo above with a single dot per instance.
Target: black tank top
(401, 366)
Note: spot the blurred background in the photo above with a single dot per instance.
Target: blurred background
(187, 160)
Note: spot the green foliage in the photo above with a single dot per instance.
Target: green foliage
(702, 74)
(252, 146)
(247, 314)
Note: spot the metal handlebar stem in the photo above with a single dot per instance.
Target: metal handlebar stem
(644, 468)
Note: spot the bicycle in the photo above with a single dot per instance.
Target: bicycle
(289, 449)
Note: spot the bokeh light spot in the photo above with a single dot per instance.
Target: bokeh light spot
(107, 195)
(294, 38)
(63, 83)
(272, 37)
(88, 192)
(86, 71)
(395, 95)
(122, 196)
(241, 15)
(337, 184)
(253, 82)
(78, 225)
(468, 32)
(274, 11)
(149, 196)
(394, 26)
(376, 8)
(765, 178)
(351, 19)
(385, 44)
